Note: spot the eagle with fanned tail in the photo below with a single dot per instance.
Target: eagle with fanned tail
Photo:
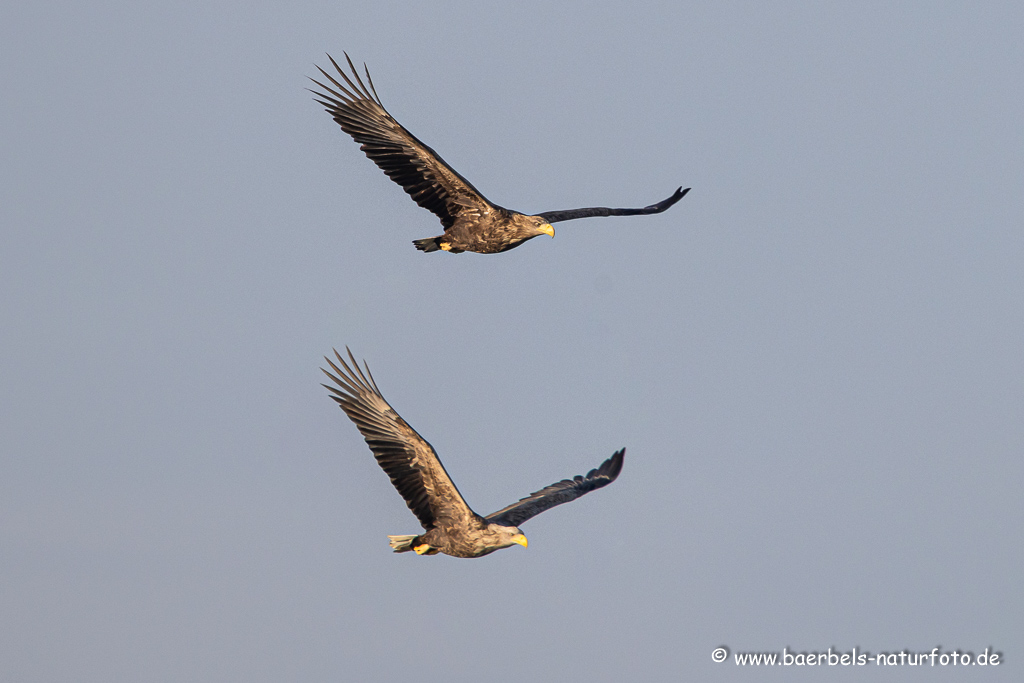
(471, 222)
(451, 527)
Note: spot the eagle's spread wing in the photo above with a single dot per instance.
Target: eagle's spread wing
(571, 214)
(560, 492)
(408, 459)
(426, 177)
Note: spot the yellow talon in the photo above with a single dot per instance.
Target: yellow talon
(446, 246)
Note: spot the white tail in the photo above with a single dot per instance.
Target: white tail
(401, 544)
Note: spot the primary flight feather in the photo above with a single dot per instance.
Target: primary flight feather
(471, 222)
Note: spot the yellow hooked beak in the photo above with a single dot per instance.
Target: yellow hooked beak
(547, 230)
(519, 538)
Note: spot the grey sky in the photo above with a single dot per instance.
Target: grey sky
(815, 360)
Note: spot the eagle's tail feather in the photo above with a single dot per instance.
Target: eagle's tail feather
(401, 544)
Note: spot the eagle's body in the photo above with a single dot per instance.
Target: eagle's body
(475, 538)
(471, 222)
(450, 525)
(487, 232)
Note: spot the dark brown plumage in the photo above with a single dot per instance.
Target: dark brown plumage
(451, 527)
(471, 222)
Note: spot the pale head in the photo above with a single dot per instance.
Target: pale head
(532, 226)
(497, 537)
